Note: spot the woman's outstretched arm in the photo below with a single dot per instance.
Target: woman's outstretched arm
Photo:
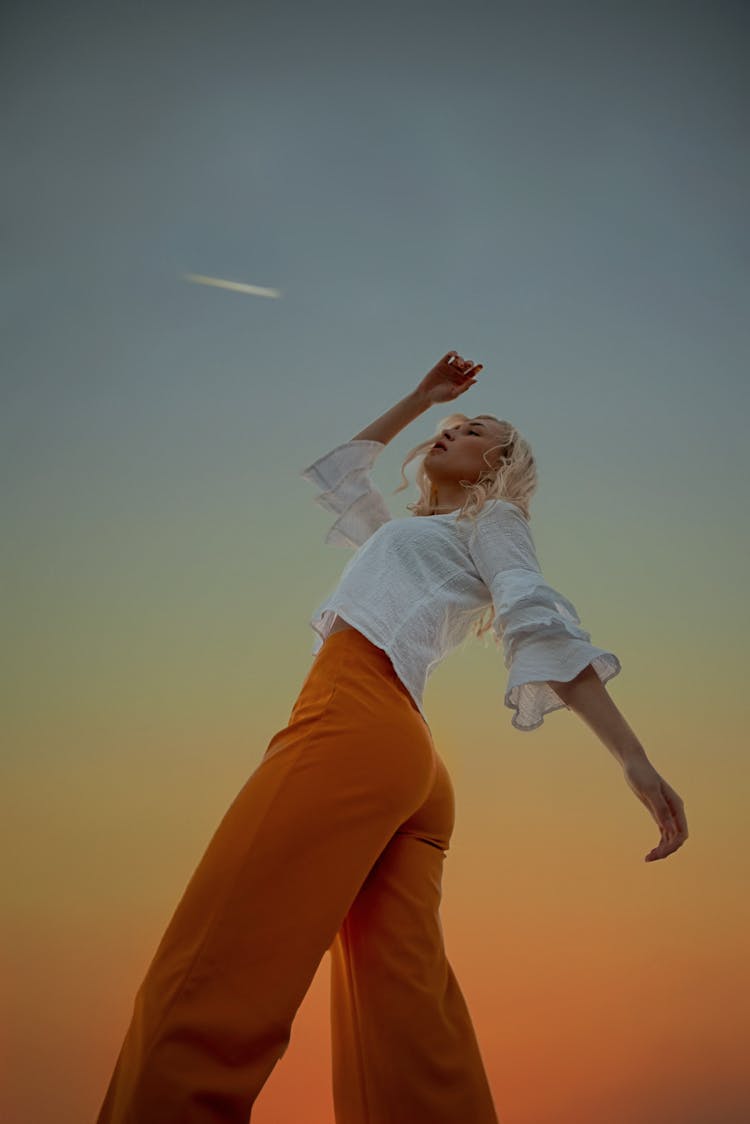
(587, 696)
(390, 423)
(450, 377)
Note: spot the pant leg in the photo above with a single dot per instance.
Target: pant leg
(403, 1044)
(214, 1012)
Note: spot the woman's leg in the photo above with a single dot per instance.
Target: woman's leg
(214, 1012)
(404, 1047)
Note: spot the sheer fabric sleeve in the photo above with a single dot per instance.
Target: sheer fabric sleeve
(542, 635)
(343, 475)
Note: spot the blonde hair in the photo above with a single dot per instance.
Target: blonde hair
(513, 478)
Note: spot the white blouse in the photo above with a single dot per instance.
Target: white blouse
(416, 584)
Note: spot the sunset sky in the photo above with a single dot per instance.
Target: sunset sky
(557, 191)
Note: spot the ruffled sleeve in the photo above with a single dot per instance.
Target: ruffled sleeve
(540, 629)
(347, 490)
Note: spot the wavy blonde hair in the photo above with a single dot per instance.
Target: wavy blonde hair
(511, 476)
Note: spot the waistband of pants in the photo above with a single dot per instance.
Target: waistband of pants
(353, 642)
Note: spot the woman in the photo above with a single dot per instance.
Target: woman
(336, 842)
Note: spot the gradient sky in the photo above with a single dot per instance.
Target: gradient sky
(558, 191)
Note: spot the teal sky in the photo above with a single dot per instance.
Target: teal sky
(557, 191)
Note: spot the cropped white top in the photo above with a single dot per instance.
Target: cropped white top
(416, 584)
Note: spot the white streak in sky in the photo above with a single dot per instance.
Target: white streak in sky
(237, 286)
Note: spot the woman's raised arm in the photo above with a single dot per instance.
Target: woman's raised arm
(390, 423)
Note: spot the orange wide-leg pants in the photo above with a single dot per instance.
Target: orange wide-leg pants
(335, 843)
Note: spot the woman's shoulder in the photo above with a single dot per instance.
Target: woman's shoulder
(497, 507)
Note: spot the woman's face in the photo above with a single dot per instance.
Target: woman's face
(460, 457)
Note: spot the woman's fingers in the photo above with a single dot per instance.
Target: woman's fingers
(462, 372)
(663, 804)
(471, 368)
(662, 849)
(669, 812)
(466, 367)
(671, 815)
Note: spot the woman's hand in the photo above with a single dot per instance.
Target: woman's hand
(450, 377)
(662, 802)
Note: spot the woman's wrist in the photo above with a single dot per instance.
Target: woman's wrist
(421, 400)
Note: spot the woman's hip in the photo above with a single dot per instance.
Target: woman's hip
(352, 697)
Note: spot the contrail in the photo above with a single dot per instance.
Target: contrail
(237, 286)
